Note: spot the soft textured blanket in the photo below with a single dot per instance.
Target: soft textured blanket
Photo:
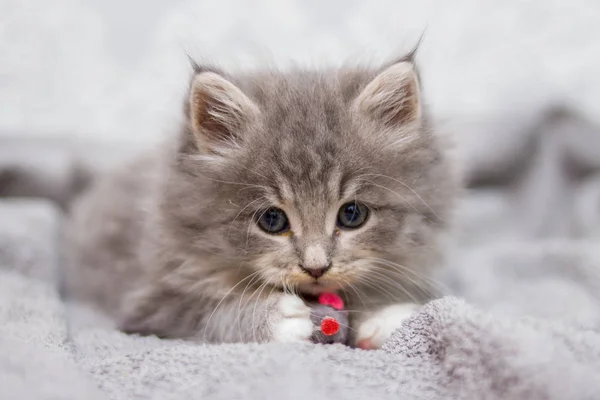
(527, 326)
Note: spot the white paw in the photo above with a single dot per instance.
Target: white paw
(291, 320)
(377, 328)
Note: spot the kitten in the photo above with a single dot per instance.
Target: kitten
(279, 186)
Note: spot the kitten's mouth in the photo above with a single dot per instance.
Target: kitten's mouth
(317, 287)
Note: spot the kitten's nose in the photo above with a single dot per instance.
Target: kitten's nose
(316, 272)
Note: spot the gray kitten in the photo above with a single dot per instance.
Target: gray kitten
(279, 186)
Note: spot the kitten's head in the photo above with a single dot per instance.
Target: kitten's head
(312, 180)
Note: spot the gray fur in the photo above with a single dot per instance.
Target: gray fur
(169, 244)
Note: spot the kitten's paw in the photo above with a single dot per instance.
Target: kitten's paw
(291, 320)
(377, 328)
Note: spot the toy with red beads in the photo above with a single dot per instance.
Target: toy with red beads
(330, 319)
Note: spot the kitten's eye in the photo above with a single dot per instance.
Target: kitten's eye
(274, 221)
(352, 215)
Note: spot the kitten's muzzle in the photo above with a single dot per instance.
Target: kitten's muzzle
(315, 272)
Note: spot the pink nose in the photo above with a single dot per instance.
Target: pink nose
(315, 272)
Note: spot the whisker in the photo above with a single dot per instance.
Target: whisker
(283, 283)
(419, 285)
(271, 292)
(409, 188)
(399, 195)
(403, 269)
(347, 326)
(356, 311)
(254, 172)
(385, 280)
(254, 309)
(238, 316)
(355, 291)
(375, 270)
(240, 213)
(243, 309)
(376, 285)
(218, 305)
(252, 222)
(248, 185)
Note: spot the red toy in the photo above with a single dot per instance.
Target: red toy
(330, 319)
(331, 299)
(330, 325)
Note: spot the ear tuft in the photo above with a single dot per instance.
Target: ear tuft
(393, 96)
(219, 112)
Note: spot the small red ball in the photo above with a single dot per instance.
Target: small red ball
(330, 326)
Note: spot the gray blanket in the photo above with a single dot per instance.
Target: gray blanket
(527, 325)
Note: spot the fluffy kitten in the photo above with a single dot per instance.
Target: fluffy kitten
(278, 187)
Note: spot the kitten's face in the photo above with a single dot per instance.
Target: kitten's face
(313, 182)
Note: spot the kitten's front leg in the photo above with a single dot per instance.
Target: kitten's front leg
(290, 320)
(377, 326)
(278, 318)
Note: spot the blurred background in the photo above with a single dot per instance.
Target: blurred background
(116, 70)
(83, 83)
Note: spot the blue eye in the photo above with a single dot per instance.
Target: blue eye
(352, 215)
(273, 221)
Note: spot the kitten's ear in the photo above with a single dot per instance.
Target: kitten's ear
(393, 96)
(219, 112)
